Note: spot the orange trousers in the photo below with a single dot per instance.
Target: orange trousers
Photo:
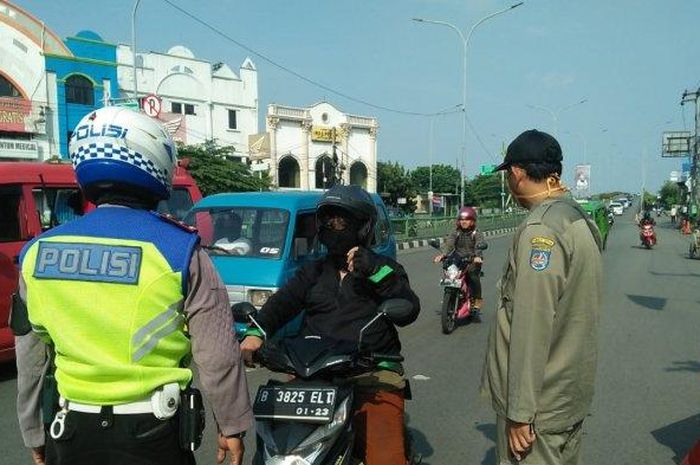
(379, 427)
(693, 457)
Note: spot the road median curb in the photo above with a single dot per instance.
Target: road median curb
(419, 243)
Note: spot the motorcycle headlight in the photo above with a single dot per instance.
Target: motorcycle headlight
(287, 460)
(258, 297)
(452, 272)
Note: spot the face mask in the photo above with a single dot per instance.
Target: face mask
(338, 243)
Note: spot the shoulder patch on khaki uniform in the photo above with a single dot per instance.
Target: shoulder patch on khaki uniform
(541, 242)
(541, 252)
(539, 259)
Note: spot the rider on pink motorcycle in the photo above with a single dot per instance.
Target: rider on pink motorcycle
(463, 241)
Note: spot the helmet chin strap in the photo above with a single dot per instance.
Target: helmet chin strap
(554, 186)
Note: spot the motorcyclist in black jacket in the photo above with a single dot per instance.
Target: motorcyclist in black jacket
(340, 293)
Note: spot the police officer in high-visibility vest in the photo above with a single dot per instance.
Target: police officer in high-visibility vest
(124, 297)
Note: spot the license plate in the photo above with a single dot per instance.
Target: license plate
(307, 404)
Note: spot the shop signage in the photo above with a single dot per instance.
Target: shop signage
(15, 115)
(325, 134)
(17, 148)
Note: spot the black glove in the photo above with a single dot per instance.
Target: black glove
(364, 262)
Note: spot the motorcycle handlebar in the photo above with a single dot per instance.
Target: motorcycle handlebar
(387, 357)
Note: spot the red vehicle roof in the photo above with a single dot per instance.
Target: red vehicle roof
(19, 172)
(14, 172)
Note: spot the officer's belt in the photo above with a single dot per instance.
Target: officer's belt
(131, 408)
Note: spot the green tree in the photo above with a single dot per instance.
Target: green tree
(484, 191)
(445, 179)
(648, 199)
(394, 183)
(212, 166)
(670, 194)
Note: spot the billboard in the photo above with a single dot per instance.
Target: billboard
(676, 144)
(259, 146)
(21, 115)
(582, 179)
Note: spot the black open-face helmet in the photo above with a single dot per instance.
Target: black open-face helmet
(356, 203)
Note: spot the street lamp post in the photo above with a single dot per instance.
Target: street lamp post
(555, 113)
(432, 116)
(133, 45)
(465, 46)
(583, 142)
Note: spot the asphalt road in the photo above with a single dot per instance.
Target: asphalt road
(647, 404)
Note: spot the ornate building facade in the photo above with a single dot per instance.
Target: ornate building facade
(306, 146)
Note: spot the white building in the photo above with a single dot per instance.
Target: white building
(301, 147)
(200, 100)
(27, 94)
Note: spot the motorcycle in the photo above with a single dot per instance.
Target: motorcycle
(457, 301)
(647, 236)
(308, 420)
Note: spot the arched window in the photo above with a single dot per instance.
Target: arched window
(288, 172)
(358, 174)
(7, 89)
(79, 90)
(324, 172)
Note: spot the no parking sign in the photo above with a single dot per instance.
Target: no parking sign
(151, 105)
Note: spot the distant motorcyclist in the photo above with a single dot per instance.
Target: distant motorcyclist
(463, 241)
(647, 219)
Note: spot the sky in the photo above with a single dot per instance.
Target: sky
(628, 60)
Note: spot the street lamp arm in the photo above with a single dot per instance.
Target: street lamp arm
(489, 16)
(572, 105)
(539, 107)
(441, 23)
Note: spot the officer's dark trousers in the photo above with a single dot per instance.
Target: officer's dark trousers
(139, 439)
(474, 275)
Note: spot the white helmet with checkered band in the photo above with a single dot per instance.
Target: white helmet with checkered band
(120, 148)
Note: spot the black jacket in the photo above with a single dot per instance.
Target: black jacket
(338, 309)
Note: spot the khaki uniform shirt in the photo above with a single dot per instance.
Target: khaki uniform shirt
(541, 357)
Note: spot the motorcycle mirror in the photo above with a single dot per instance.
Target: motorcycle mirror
(434, 243)
(242, 311)
(482, 246)
(396, 309)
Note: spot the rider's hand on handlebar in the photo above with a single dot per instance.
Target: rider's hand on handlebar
(438, 258)
(249, 346)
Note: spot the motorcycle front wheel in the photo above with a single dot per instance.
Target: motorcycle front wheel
(450, 305)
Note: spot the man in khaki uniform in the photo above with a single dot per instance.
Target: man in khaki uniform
(541, 357)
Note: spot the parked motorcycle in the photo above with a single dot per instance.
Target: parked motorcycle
(308, 420)
(457, 301)
(647, 236)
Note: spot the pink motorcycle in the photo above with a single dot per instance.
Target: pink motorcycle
(456, 299)
(647, 236)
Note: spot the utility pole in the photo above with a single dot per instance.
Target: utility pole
(503, 180)
(694, 172)
(338, 167)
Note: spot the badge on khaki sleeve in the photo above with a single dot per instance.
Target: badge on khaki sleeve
(540, 253)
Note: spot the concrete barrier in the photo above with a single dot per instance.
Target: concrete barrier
(414, 244)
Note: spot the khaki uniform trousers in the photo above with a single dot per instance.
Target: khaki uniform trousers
(561, 448)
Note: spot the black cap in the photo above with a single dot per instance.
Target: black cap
(531, 147)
